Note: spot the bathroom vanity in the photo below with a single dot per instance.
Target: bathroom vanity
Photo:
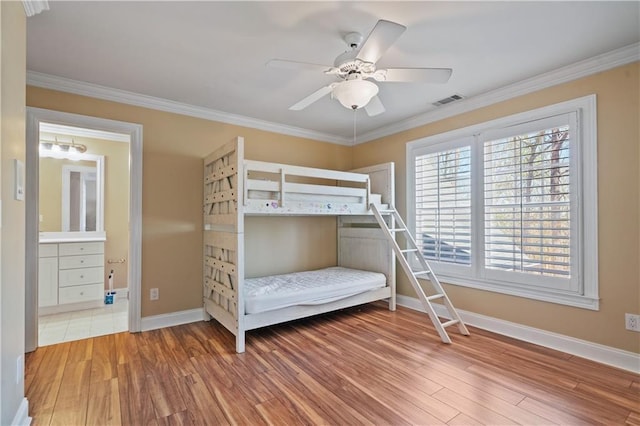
(70, 274)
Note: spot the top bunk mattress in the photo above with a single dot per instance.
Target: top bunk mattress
(308, 288)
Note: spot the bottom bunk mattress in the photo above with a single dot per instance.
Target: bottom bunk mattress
(308, 288)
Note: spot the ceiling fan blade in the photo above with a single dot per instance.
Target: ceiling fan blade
(374, 107)
(383, 35)
(418, 75)
(312, 98)
(301, 66)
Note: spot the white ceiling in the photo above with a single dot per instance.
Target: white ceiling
(213, 54)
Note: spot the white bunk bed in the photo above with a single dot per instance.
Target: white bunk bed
(235, 188)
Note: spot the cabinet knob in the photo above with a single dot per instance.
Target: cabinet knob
(81, 276)
(82, 293)
(82, 261)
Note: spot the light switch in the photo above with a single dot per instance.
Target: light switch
(18, 168)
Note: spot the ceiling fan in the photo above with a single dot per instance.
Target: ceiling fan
(354, 68)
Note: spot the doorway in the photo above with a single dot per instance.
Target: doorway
(51, 239)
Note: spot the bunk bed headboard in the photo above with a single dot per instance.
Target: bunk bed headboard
(361, 243)
(382, 180)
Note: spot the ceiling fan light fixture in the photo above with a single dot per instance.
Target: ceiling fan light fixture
(356, 93)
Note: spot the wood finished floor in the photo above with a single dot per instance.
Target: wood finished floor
(364, 365)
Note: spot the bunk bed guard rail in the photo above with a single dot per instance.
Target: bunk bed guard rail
(283, 187)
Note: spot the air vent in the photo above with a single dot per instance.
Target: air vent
(448, 100)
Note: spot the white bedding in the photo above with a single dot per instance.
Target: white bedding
(307, 288)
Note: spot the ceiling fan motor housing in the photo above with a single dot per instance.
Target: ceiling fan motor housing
(353, 40)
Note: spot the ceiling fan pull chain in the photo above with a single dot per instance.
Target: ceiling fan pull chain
(355, 111)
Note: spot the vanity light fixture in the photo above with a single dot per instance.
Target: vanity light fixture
(55, 145)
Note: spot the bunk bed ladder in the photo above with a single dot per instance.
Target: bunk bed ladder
(397, 225)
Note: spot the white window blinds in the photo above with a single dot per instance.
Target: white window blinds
(443, 205)
(510, 205)
(527, 224)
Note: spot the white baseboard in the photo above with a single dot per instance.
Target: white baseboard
(121, 293)
(22, 415)
(596, 352)
(174, 318)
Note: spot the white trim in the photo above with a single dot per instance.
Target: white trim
(585, 295)
(116, 95)
(84, 133)
(172, 319)
(33, 7)
(121, 293)
(618, 358)
(67, 169)
(34, 117)
(22, 415)
(600, 63)
(70, 307)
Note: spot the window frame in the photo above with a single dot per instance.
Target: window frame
(584, 231)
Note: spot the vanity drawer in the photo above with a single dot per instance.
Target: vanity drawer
(72, 277)
(47, 250)
(74, 249)
(88, 261)
(81, 293)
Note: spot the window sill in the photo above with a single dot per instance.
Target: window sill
(576, 300)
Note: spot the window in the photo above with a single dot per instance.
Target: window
(511, 205)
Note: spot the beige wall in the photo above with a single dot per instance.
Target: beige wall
(617, 93)
(173, 148)
(12, 230)
(116, 206)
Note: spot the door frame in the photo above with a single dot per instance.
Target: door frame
(34, 117)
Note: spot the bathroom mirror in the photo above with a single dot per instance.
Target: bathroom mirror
(71, 192)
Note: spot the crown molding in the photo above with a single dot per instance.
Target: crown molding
(33, 7)
(604, 62)
(67, 85)
(565, 74)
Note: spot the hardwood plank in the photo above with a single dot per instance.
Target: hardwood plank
(228, 395)
(103, 360)
(292, 391)
(73, 398)
(104, 403)
(202, 407)
(484, 388)
(176, 357)
(136, 407)
(596, 410)
(364, 365)
(463, 420)
(633, 419)
(44, 387)
(126, 347)
(176, 419)
(471, 408)
(165, 395)
(32, 361)
(620, 396)
(552, 414)
(275, 412)
(412, 407)
(80, 350)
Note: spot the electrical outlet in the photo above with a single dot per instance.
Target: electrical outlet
(632, 322)
(154, 294)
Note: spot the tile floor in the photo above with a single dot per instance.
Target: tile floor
(68, 326)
